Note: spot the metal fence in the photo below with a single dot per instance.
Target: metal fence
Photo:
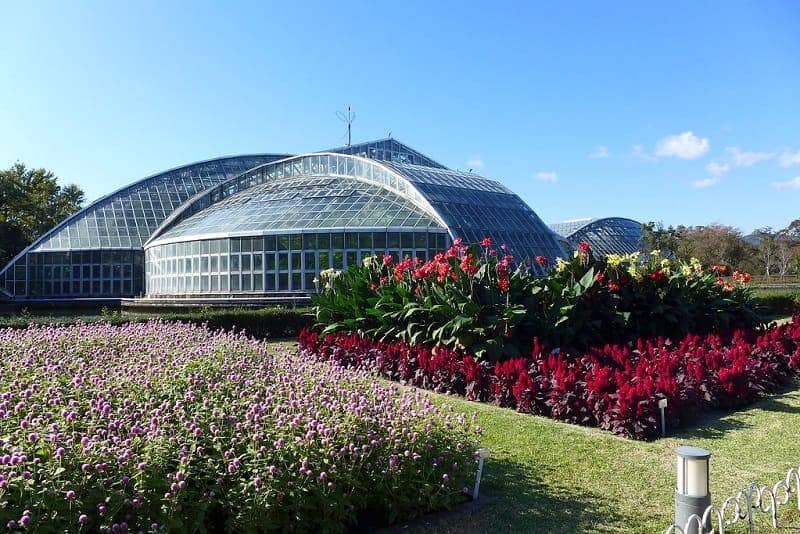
(746, 507)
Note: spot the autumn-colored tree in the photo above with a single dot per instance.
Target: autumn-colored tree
(713, 244)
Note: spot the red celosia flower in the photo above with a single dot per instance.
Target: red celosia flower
(657, 275)
(387, 260)
(542, 260)
(504, 285)
(486, 242)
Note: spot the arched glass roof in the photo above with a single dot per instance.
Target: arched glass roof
(322, 165)
(302, 203)
(469, 206)
(609, 235)
(388, 150)
(126, 218)
(474, 207)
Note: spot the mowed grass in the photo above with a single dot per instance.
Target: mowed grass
(545, 476)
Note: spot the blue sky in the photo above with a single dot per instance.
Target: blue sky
(685, 112)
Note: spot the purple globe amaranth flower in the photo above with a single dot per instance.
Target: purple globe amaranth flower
(109, 405)
(83, 519)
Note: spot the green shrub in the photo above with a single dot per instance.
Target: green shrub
(778, 302)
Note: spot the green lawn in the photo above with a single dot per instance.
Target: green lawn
(545, 476)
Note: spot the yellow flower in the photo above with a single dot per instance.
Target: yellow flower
(633, 257)
(655, 253)
(686, 270)
(666, 266)
(561, 265)
(614, 260)
(696, 265)
(635, 273)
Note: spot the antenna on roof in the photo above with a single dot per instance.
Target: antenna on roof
(389, 135)
(347, 117)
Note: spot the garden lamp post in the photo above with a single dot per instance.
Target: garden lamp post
(692, 495)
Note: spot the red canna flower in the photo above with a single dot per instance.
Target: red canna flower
(584, 247)
(542, 260)
(600, 278)
(387, 260)
(719, 269)
(657, 275)
(486, 242)
(613, 286)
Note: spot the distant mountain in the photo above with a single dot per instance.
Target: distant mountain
(753, 239)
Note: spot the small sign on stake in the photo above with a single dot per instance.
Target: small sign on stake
(662, 405)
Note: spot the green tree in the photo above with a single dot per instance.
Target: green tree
(31, 202)
(656, 237)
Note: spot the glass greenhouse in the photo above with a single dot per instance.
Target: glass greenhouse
(609, 235)
(267, 224)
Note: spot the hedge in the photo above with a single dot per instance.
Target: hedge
(778, 302)
(260, 323)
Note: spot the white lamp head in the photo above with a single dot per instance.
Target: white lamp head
(693, 465)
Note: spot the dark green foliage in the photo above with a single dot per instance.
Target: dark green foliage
(31, 202)
(778, 302)
(261, 323)
(492, 308)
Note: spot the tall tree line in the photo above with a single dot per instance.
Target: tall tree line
(31, 202)
(766, 251)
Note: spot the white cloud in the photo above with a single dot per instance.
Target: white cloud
(638, 152)
(706, 182)
(547, 176)
(599, 152)
(742, 158)
(788, 158)
(475, 162)
(794, 183)
(717, 169)
(682, 146)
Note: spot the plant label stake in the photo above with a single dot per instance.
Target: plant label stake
(662, 405)
(482, 455)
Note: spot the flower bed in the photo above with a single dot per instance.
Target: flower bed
(491, 305)
(171, 427)
(615, 387)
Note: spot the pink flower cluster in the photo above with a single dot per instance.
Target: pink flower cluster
(614, 387)
(169, 427)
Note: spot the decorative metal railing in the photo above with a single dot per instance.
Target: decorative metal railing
(746, 506)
